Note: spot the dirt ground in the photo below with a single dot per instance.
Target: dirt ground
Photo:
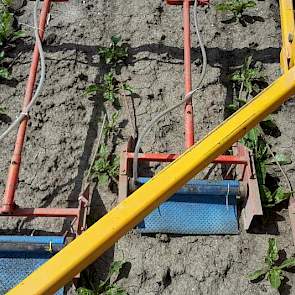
(64, 124)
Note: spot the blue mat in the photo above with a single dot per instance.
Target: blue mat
(200, 207)
(16, 265)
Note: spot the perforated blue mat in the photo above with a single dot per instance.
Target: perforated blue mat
(200, 207)
(16, 265)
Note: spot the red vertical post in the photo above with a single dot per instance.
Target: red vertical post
(13, 172)
(188, 112)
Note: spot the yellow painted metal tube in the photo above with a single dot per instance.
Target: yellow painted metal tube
(103, 234)
(288, 31)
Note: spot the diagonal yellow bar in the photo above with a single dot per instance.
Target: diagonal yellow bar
(103, 234)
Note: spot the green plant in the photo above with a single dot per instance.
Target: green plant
(105, 167)
(2, 111)
(108, 286)
(7, 34)
(273, 269)
(248, 78)
(237, 7)
(110, 88)
(255, 141)
(4, 72)
(7, 30)
(111, 126)
(114, 53)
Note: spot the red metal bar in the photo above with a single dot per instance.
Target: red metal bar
(188, 111)
(13, 173)
(42, 212)
(180, 2)
(223, 159)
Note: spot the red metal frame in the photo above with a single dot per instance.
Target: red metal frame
(188, 111)
(191, 2)
(9, 208)
(223, 159)
(13, 173)
(241, 159)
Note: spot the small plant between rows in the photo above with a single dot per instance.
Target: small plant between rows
(108, 286)
(110, 88)
(274, 267)
(106, 166)
(236, 7)
(8, 34)
(249, 80)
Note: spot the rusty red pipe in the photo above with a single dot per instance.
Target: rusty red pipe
(188, 111)
(223, 159)
(13, 172)
(43, 212)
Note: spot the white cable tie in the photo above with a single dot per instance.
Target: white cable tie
(226, 197)
(25, 114)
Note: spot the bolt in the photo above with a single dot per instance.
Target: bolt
(290, 37)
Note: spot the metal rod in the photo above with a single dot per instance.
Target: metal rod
(188, 111)
(223, 159)
(13, 172)
(42, 212)
(85, 249)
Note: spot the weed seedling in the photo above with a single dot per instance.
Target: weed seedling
(249, 79)
(2, 111)
(105, 167)
(4, 72)
(255, 141)
(273, 269)
(7, 34)
(115, 53)
(7, 31)
(110, 88)
(108, 286)
(236, 7)
(111, 126)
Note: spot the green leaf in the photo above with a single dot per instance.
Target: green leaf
(2, 55)
(91, 89)
(289, 262)
(115, 39)
(272, 252)
(19, 34)
(281, 159)
(232, 107)
(115, 290)
(2, 110)
(275, 277)
(84, 291)
(258, 274)
(279, 195)
(4, 73)
(103, 179)
(128, 88)
(115, 267)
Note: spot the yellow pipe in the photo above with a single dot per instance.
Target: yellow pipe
(287, 28)
(103, 234)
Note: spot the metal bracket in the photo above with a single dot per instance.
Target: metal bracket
(247, 174)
